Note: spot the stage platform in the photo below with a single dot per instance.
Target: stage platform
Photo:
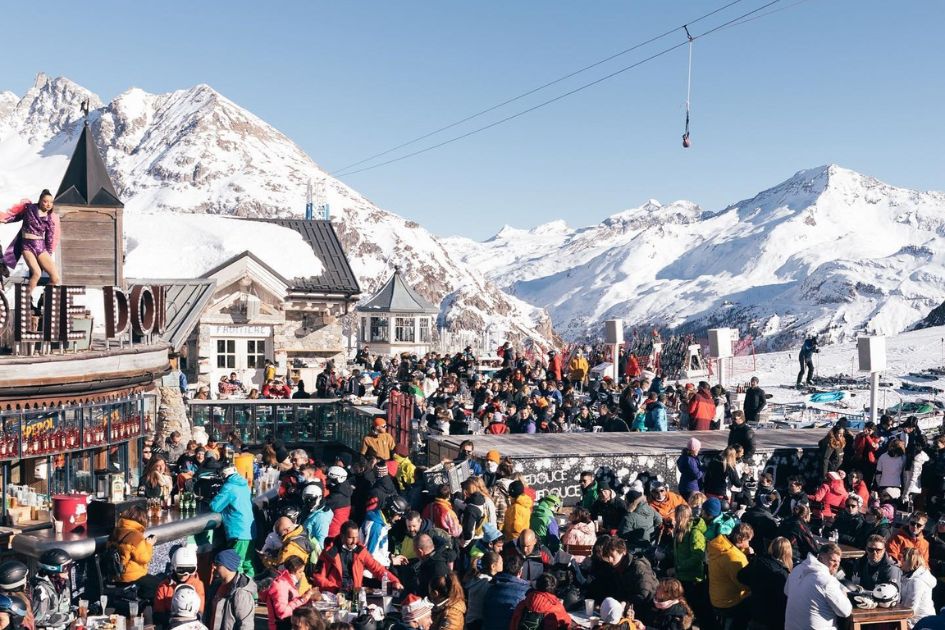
(555, 461)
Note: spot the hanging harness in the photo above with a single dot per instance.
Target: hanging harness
(685, 139)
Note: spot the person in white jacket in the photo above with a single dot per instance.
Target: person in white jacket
(815, 598)
(917, 585)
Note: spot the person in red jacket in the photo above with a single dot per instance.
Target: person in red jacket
(542, 601)
(831, 496)
(866, 450)
(495, 423)
(341, 567)
(555, 364)
(702, 408)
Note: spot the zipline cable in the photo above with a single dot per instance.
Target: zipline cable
(533, 90)
(556, 98)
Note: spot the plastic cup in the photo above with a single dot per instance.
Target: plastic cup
(387, 600)
(83, 609)
(58, 526)
(589, 607)
(132, 609)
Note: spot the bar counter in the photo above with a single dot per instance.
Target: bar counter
(170, 526)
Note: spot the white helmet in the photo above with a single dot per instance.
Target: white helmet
(185, 559)
(186, 602)
(886, 594)
(337, 474)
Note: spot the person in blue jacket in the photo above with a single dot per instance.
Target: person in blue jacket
(318, 515)
(504, 594)
(235, 504)
(656, 412)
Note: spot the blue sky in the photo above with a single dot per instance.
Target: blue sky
(853, 82)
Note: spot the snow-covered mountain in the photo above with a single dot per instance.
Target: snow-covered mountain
(829, 251)
(195, 151)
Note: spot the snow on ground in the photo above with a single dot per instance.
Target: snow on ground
(188, 245)
(908, 352)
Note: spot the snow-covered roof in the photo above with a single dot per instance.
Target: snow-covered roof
(398, 297)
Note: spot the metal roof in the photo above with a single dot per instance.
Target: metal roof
(398, 297)
(186, 301)
(86, 182)
(337, 276)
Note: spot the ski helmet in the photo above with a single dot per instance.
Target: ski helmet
(396, 505)
(312, 495)
(12, 605)
(184, 560)
(13, 575)
(54, 561)
(337, 474)
(185, 602)
(886, 594)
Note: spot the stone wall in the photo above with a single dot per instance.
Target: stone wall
(171, 415)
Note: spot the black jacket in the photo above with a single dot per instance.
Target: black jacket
(802, 540)
(765, 526)
(849, 528)
(612, 512)
(340, 496)
(633, 581)
(743, 435)
(768, 602)
(884, 571)
(755, 401)
(615, 425)
(427, 570)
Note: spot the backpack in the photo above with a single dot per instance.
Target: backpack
(311, 550)
(531, 621)
(111, 566)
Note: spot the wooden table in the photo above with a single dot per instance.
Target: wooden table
(847, 552)
(898, 615)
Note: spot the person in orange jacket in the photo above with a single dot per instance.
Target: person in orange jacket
(665, 502)
(910, 536)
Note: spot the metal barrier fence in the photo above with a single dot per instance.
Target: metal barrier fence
(290, 421)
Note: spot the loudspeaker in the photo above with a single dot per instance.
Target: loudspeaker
(613, 331)
(721, 341)
(872, 353)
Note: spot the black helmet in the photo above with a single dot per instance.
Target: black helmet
(55, 561)
(12, 605)
(12, 575)
(396, 504)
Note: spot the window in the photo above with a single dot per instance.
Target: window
(226, 353)
(379, 329)
(424, 330)
(364, 329)
(403, 329)
(256, 353)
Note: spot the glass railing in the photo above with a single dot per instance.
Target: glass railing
(290, 421)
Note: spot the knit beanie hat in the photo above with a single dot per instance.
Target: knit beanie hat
(712, 507)
(229, 559)
(493, 456)
(516, 488)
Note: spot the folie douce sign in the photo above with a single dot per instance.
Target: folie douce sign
(141, 309)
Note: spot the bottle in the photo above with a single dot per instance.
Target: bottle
(362, 599)
(385, 584)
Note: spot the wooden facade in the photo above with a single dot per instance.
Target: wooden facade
(92, 245)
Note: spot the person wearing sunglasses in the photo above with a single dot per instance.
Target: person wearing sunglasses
(876, 567)
(910, 536)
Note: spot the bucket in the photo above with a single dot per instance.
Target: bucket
(71, 510)
(244, 466)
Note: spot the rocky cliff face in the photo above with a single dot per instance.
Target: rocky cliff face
(195, 151)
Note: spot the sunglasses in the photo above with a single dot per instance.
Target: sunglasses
(876, 549)
(916, 523)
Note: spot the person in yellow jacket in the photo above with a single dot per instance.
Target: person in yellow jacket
(406, 469)
(727, 555)
(135, 550)
(578, 368)
(295, 542)
(519, 513)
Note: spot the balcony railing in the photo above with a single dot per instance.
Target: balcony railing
(290, 421)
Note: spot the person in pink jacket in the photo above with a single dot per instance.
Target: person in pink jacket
(283, 595)
(581, 531)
